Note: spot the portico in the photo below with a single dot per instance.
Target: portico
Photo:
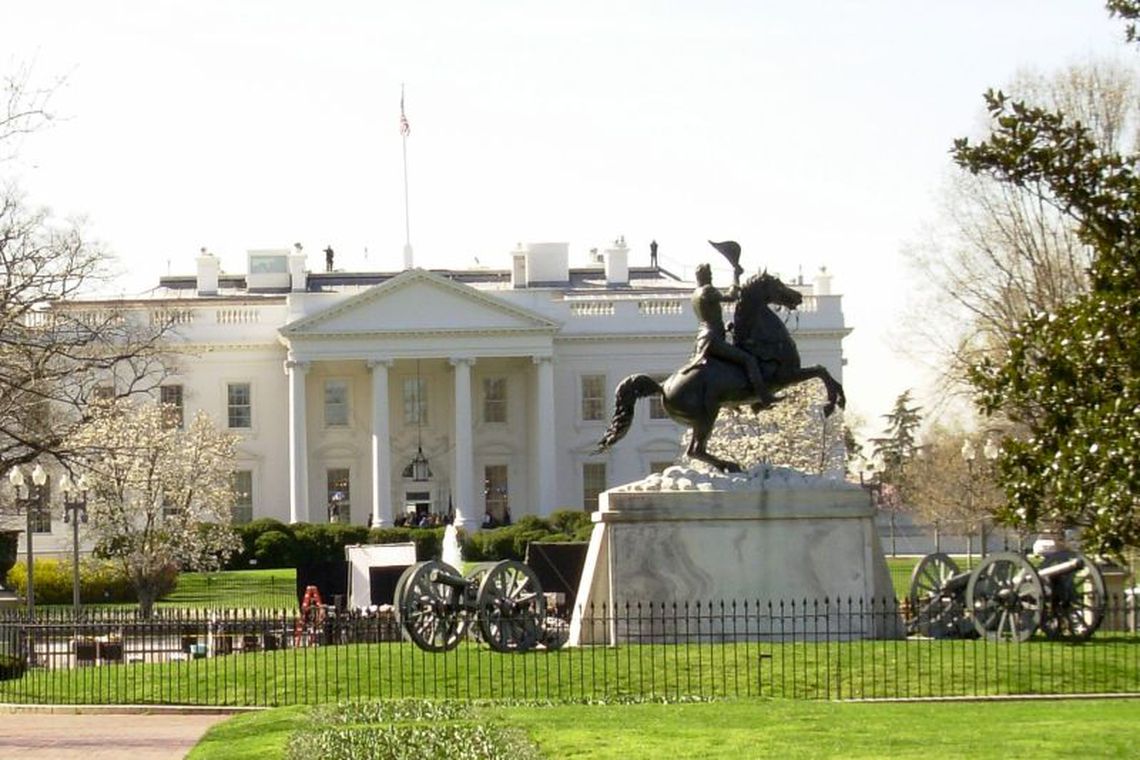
(423, 385)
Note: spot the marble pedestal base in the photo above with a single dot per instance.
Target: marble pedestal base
(751, 564)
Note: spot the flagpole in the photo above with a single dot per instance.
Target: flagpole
(404, 131)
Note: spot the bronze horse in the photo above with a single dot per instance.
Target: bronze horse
(694, 395)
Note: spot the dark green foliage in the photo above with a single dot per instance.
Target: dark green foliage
(275, 548)
(9, 540)
(249, 533)
(320, 542)
(11, 667)
(510, 542)
(1071, 379)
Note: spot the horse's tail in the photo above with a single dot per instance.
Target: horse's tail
(625, 399)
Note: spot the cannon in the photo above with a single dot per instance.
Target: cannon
(503, 602)
(1006, 598)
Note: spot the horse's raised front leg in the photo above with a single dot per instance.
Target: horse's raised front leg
(835, 395)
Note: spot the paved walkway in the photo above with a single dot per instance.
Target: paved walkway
(102, 735)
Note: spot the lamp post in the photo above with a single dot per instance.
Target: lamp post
(74, 511)
(969, 454)
(30, 501)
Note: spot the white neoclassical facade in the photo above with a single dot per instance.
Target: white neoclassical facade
(502, 379)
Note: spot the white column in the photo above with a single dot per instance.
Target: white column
(463, 487)
(298, 443)
(381, 445)
(544, 437)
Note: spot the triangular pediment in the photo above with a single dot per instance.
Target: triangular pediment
(419, 302)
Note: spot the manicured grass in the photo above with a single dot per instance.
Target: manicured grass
(239, 589)
(802, 671)
(766, 728)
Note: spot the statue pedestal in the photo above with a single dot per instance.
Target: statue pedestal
(788, 556)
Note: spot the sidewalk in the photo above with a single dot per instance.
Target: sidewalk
(101, 733)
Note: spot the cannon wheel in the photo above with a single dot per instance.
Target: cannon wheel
(935, 611)
(429, 610)
(1076, 600)
(511, 607)
(1006, 597)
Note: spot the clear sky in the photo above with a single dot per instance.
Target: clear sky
(816, 134)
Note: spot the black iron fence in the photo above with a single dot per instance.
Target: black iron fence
(804, 650)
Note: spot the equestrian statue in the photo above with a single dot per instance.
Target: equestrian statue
(761, 359)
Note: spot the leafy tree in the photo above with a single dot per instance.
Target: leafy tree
(1071, 374)
(998, 251)
(899, 443)
(55, 351)
(160, 495)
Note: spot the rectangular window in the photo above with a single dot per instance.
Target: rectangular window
(239, 405)
(656, 406)
(242, 510)
(495, 492)
(336, 403)
(415, 401)
(41, 510)
(494, 399)
(170, 396)
(660, 467)
(169, 508)
(103, 393)
(593, 397)
(339, 495)
(593, 483)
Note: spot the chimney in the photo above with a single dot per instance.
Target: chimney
(547, 263)
(617, 263)
(822, 283)
(297, 274)
(518, 266)
(208, 268)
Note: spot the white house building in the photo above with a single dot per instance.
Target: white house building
(363, 396)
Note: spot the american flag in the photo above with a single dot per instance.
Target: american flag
(405, 128)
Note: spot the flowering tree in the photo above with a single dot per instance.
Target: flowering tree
(794, 433)
(160, 494)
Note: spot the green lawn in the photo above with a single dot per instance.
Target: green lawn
(765, 728)
(239, 589)
(1107, 664)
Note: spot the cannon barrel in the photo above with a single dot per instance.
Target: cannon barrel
(448, 579)
(1061, 568)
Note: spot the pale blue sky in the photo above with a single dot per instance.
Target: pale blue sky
(813, 133)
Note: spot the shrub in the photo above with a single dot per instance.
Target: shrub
(275, 548)
(11, 667)
(322, 542)
(9, 540)
(428, 541)
(99, 581)
(249, 533)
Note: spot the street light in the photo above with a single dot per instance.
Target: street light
(74, 511)
(29, 502)
(970, 453)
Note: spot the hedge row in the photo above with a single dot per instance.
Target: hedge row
(268, 543)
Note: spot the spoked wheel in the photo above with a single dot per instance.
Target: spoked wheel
(429, 610)
(1006, 597)
(511, 607)
(1076, 599)
(937, 605)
